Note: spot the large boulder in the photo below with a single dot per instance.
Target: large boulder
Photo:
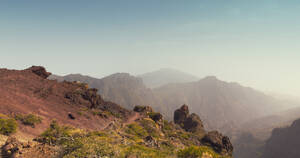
(40, 71)
(218, 142)
(181, 114)
(190, 123)
(193, 123)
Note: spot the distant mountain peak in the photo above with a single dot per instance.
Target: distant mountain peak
(165, 76)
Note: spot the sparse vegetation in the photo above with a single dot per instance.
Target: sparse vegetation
(56, 134)
(29, 119)
(137, 130)
(198, 152)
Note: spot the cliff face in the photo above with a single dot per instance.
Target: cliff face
(284, 142)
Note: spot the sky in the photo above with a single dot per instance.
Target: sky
(253, 42)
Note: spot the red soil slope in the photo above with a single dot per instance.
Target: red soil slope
(28, 91)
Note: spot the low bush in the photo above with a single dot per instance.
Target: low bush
(29, 119)
(8, 126)
(136, 129)
(198, 152)
(56, 134)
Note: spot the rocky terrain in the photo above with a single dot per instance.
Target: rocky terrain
(46, 118)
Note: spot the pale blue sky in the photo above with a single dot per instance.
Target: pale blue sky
(254, 42)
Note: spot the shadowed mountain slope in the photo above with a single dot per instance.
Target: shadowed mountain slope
(284, 142)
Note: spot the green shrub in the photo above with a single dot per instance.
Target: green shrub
(151, 127)
(141, 151)
(56, 134)
(89, 146)
(29, 119)
(198, 152)
(8, 126)
(136, 130)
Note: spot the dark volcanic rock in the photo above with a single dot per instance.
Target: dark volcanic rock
(220, 143)
(181, 114)
(190, 123)
(71, 116)
(40, 71)
(11, 147)
(193, 124)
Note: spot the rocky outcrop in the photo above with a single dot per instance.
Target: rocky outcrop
(40, 71)
(190, 123)
(181, 114)
(220, 143)
(193, 124)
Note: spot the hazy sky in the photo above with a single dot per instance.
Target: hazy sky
(254, 42)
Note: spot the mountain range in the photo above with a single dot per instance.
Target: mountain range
(49, 119)
(242, 112)
(223, 105)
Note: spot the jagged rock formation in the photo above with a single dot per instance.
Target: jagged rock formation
(181, 114)
(189, 122)
(40, 71)
(219, 142)
(284, 142)
(192, 123)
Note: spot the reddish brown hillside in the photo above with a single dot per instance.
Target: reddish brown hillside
(28, 91)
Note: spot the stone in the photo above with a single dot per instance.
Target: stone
(181, 114)
(193, 124)
(218, 142)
